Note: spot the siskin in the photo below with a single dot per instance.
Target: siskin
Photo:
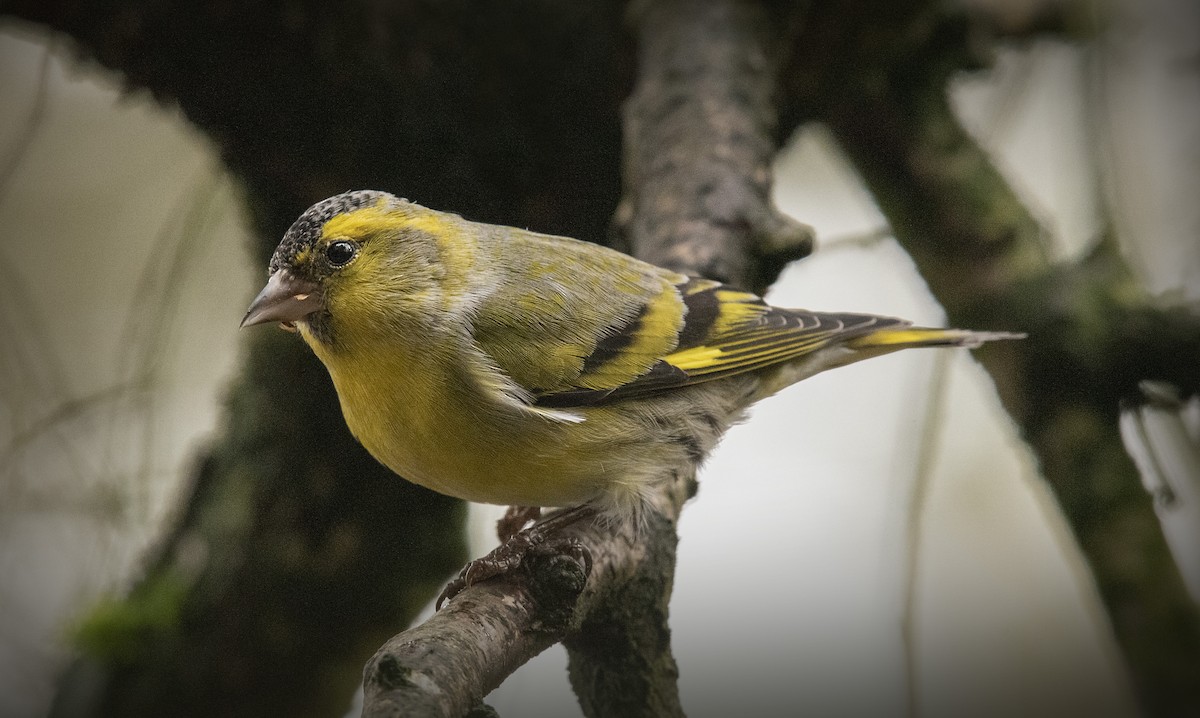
(508, 367)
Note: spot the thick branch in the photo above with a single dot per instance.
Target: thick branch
(701, 131)
(1093, 336)
(445, 666)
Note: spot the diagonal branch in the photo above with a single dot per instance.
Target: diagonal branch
(1093, 336)
(446, 665)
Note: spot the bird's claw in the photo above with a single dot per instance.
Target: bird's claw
(534, 542)
(515, 519)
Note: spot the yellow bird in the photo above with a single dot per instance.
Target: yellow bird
(508, 367)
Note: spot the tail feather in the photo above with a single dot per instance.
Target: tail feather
(872, 344)
(896, 338)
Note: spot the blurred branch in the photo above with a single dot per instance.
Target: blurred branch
(1094, 335)
(59, 415)
(857, 240)
(1004, 19)
(1167, 454)
(934, 400)
(33, 121)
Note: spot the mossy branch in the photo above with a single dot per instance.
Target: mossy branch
(1093, 337)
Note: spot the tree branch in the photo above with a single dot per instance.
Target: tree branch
(446, 665)
(1093, 336)
(701, 131)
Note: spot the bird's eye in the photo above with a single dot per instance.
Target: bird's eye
(340, 253)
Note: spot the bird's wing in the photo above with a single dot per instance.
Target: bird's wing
(725, 331)
(569, 316)
(573, 326)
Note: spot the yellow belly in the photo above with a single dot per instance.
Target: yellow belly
(435, 430)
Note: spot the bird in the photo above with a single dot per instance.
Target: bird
(504, 366)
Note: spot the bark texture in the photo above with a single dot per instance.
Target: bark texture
(446, 665)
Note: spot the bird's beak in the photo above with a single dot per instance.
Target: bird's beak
(285, 299)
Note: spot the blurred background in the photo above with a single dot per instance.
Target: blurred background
(881, 522)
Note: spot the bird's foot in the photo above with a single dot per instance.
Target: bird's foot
(538, 541)
(515, 519)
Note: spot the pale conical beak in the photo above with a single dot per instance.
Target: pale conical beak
(285, 299)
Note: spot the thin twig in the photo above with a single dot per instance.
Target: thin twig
(33, 121)
(922, 472)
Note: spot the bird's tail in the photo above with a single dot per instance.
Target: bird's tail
(892, 339)
(894, 335)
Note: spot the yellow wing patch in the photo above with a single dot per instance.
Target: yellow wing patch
(908, 335)
(635, 347)
(747, 334)
(725, 332)
(695, 358)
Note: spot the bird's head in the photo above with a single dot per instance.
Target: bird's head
(354, 261)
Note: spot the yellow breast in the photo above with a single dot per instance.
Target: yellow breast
(420, 415)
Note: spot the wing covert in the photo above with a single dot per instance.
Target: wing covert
(726, 332)
(570, 318)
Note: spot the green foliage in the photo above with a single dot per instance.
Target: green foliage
(122, 630)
